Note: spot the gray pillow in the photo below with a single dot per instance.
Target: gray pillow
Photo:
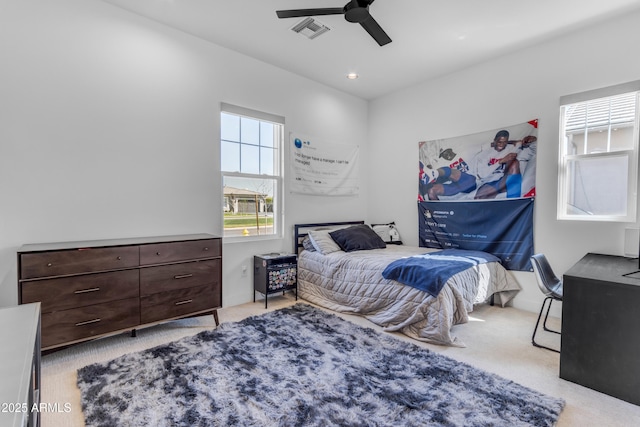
(323, 242)
(307, 245)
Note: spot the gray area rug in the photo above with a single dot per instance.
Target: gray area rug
(301, 366)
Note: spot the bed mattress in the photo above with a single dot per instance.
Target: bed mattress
(353, 283)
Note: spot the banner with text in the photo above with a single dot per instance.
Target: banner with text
(318, 168)
(500, 227)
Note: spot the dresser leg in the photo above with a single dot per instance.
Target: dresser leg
(134, 333)
(215, 317)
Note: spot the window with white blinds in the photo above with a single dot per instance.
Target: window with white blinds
(619, 109)
(599, 154)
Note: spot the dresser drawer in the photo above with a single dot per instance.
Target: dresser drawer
(180, 251)
(79, 323)
(178, 303)
(178, 276)
(74, 261)
(79, 291)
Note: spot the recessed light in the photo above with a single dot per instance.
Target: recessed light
(352, 76)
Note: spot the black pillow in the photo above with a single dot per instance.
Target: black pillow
(357, 238)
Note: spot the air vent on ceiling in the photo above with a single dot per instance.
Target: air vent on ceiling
(310, 28)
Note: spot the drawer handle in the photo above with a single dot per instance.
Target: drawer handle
(84, 291)
(206, 249)
(158, 253)
(119, 258)
(49, 264)
(182, 276)
(88, 322)
(184, 302)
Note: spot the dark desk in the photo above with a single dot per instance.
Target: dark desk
(600, 346)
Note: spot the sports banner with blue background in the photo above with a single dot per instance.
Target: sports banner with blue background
(502, 228)
(476, 192)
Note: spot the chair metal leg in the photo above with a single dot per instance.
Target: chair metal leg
(533, 338)
(544, 324)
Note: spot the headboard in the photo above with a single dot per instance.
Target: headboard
(301, 230)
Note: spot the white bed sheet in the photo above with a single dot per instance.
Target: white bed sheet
(353, 283)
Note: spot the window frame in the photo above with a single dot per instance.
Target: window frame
(277, 176)
(632, 156)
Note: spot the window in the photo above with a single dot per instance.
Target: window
(251, 153)
(598, 175)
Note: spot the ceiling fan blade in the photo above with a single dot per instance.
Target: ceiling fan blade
(296, 13)
(375, 30)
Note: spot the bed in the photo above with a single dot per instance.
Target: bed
(351, 281)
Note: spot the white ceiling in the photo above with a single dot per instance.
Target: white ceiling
(430, 38)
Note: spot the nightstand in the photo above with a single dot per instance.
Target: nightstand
(273, 273)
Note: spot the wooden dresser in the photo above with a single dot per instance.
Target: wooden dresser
(95, 288)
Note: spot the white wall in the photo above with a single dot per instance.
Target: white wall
(109, 128)
(503, 92)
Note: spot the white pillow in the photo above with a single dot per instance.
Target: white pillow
(388, 233)
(322, 241)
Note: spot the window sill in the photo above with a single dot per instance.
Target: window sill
(247, 239)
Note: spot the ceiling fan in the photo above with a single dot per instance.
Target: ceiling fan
(356, 11)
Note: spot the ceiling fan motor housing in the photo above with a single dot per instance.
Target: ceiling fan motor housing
(357, 10)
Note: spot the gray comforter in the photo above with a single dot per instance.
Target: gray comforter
(353, 283)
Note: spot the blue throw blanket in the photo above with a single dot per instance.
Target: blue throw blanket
(429, 272)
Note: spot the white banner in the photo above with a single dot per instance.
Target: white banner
(317, 168)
